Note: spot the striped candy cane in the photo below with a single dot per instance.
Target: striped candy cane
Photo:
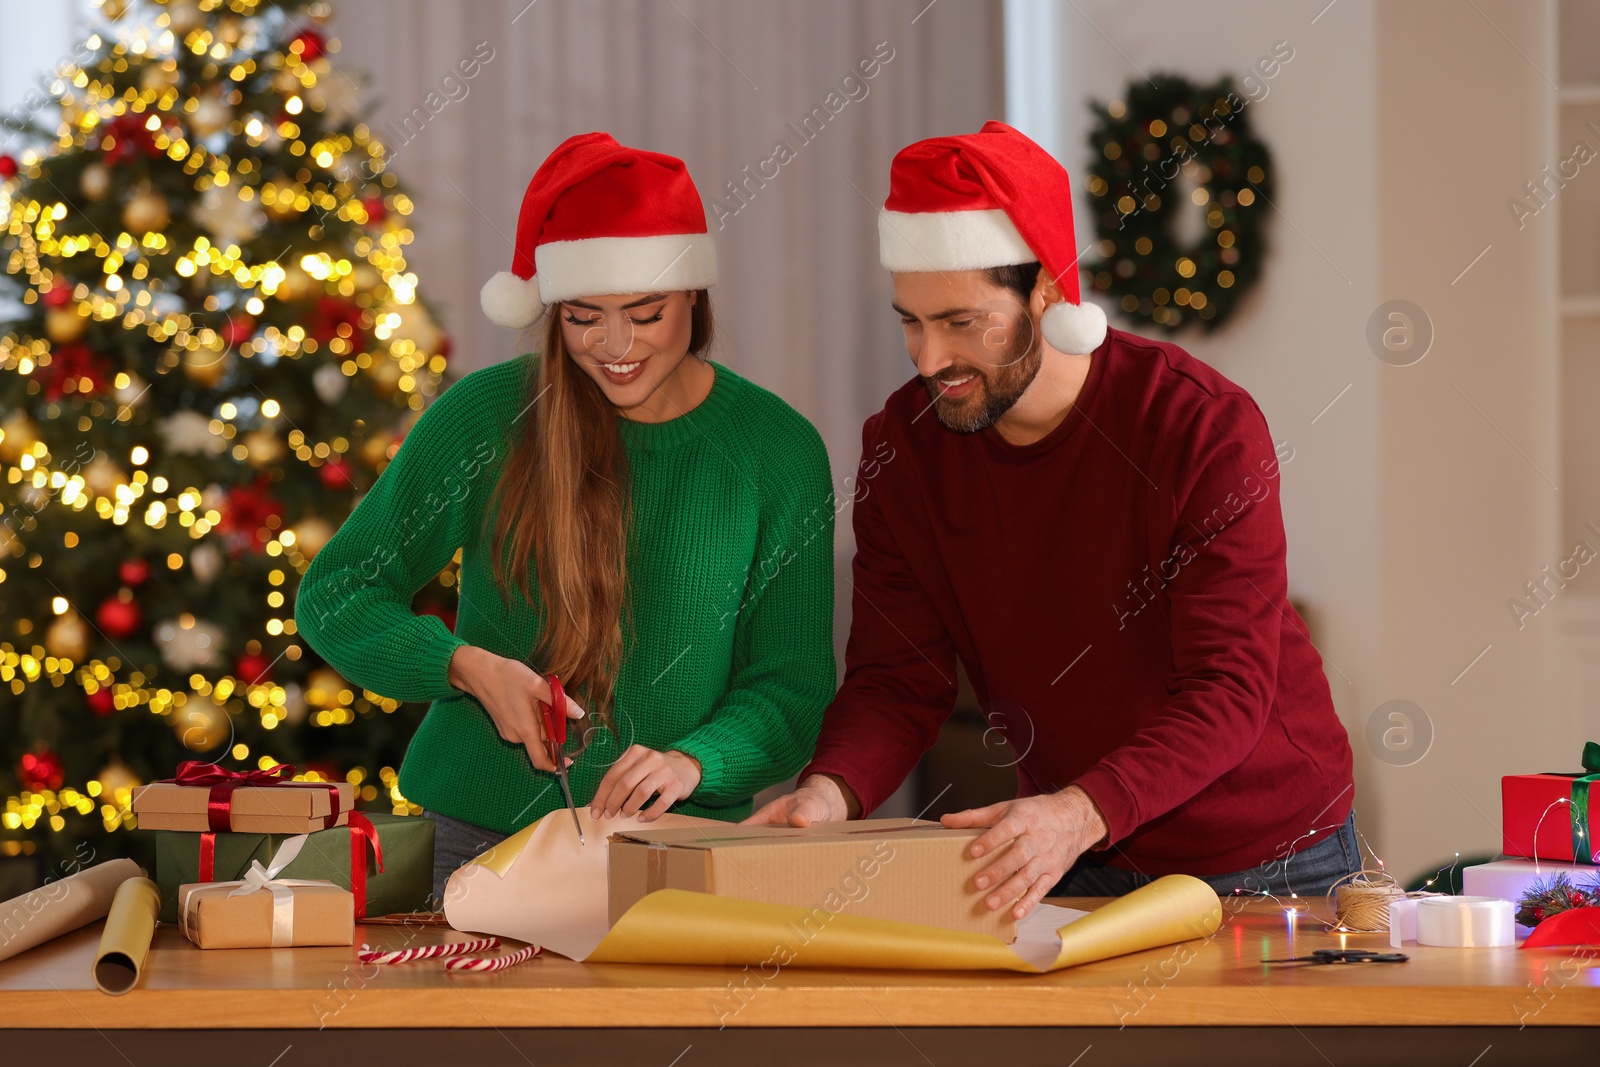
(498, 963)
(423, 952)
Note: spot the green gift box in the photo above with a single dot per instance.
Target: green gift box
(405, 883)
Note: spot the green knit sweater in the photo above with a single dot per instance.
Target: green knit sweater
(730, 564)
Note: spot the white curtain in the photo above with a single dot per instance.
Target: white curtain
(802, 305)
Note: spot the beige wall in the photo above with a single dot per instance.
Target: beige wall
(1398, 130)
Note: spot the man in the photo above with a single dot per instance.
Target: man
(1090, 522)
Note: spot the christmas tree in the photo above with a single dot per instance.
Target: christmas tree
(212, 348)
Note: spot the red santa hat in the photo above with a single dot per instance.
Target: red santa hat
(989, 199)
(600, 218)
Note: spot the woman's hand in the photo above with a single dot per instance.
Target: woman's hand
(820, 798)
(511, 692)
(639, 774)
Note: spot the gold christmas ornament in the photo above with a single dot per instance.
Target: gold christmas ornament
(17, 435)
(205, 367)
(145, 212)
(416, 326)
(201, 725)
(103, 476)
(374, 451)
(297, 284)
(158, 76)
(324, 687)
(116, 778)
(310, 534)
(64, 325)
(68, 637)
(95, 181)
(385, 374)
(264, 448)
(228, 30)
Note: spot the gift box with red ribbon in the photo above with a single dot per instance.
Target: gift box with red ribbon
(204, 796)
(1549, 816)
(385, 860)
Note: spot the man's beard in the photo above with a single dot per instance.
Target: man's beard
(997, 389)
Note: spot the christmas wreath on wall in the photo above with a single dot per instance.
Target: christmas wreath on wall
(1176, 146)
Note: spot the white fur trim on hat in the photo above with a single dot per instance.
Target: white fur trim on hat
(1073, 329)
(949, 240)
(596, 266)
(511, 301)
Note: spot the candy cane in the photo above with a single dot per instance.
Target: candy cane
(499, 963)
(422, 952)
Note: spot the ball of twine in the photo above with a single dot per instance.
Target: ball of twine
(1362, 905)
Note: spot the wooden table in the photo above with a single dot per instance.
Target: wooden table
(1199, 1002)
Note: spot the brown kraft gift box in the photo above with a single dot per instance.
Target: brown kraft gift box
(324, 914)
(908, 870)
(297, 808)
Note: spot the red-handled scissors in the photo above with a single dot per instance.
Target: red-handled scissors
(555, 735)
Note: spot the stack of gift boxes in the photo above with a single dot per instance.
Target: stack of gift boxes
(1548, 827)
(255, 859)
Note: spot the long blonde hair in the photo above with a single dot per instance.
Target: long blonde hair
(562, 504)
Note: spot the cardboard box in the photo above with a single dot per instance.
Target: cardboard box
(1533, 802)
(908, 870)
(323, 914)
(291, 808)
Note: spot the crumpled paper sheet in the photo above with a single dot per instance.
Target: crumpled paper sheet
(541, 886)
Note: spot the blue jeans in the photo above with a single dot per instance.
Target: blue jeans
(454, 843)
(1309, 872)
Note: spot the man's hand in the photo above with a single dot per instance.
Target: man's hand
(820, 798)
(639, 774)
(1046, 833)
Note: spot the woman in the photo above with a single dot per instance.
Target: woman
(633, 518)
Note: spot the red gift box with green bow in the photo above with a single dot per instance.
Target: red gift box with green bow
(1549, 816)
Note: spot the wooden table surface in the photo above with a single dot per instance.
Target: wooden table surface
(1218, 981)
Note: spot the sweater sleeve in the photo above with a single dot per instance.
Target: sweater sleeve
(354, 602)
(900, 662)
(1227, 604)
(783, 665)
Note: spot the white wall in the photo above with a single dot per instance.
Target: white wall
(1407, 513)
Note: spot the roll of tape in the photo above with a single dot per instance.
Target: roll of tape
(1466, 922)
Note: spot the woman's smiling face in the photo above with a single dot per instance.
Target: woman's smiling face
(629, 344)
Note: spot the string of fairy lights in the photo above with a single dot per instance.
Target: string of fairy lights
(401, 360)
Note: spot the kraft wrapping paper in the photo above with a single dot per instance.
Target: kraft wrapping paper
(125, 941)
(61, 906)
(541, 887)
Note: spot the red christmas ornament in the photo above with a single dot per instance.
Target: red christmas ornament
(245, 515)
(41, 770)
(75, 362)
(101, 702)
(446, 346)
(333, 313)
(238, 329)
(376, 210)
(253, 668)
(133, 572)
(118, 618)
(444, 614)
(335, 475)
(309, 44)
(8, 168)
(127, 136)
(58, 296)
(324, 769)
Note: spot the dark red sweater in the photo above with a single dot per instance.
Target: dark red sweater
(1118, 596)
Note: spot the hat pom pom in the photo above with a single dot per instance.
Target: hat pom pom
(511, 301)
(1073, 329)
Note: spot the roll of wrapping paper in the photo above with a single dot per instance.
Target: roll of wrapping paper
(61, 906)
(126, 939)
